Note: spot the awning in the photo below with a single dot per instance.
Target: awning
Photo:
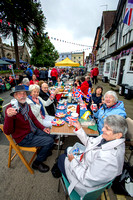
(67, 62)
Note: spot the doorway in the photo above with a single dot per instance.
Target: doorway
(121, 71)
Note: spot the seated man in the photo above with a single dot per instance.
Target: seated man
(100, 161)
(26, 83)
(45, 95)
(26, 130)
(87, 78)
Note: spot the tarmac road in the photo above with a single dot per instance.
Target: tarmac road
(16, 183)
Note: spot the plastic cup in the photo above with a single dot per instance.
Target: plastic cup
(94, 107)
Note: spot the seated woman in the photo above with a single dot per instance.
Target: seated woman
(34, 80)
(59, 83)
(96, 97)
(38, 106)
(45, 95)
(102, 158)
(111, 106)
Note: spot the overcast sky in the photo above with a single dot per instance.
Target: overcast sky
(74, 21)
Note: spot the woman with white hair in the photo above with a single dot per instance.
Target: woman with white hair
(111, 106)
(37, 105)
(101, 160)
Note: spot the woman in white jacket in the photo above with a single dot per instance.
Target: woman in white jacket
(102, 160)
(38, 106)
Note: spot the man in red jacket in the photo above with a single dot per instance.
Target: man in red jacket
(95, 74)
(25, 129)
(54, 75)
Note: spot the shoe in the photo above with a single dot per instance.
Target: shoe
(57, 143)
(41, 167)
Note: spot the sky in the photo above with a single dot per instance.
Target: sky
(74, 21)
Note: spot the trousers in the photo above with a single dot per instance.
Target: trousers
(39, 139)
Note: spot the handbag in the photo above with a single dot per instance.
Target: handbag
(123, 184)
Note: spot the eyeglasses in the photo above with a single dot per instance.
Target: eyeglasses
(45, 87)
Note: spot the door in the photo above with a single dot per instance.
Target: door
(121, 71)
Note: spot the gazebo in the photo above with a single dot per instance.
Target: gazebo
(67, 62)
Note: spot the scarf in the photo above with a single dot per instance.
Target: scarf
(24, 109)
(42, 109)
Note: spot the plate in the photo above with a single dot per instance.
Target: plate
(61, 107)
(60, 115)
(71, 108)
(57, 122)
(70, 118)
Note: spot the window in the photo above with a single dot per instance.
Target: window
(114, 65)
(131, 63)
(107, 67)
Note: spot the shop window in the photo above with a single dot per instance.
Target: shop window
(131, 63)
(107, 67)
(114, 66)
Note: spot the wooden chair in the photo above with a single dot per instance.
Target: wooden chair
(93, 195)
(18, 149)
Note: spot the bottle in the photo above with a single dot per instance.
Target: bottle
(69, 98)
(78, 109)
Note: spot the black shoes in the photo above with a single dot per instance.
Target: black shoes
(41, 167)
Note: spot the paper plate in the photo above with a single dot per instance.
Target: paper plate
(57, 122)
(61, 107)
(60, 115)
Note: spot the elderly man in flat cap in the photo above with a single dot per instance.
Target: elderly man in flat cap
(25, 129)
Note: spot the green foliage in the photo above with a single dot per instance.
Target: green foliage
(21, 13)
(44, 53)
(10, 72)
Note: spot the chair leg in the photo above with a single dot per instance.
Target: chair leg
(9, 157)
(32, 158)
(64, 188)
(25, 162)
(59, 185)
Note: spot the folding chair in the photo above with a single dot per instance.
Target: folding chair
(18, 149)
(93, 195)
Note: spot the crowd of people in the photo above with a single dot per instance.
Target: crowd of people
(31, 126)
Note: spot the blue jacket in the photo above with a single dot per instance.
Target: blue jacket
(104, 111)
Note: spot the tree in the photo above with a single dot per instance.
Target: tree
(44, 53)
(23, 19)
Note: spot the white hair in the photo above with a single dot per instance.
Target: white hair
(25, 80)
(113, 94)
(34, 86)
(117, 123)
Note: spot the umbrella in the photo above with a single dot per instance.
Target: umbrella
(21, 61)
(8, 60)
(2, 62)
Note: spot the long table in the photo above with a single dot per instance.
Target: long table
(67, 130)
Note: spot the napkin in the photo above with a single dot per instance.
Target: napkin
(93, 127)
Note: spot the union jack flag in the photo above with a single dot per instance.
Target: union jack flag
(128, 13)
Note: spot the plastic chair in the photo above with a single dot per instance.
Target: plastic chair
(18, 149)
(93, 195)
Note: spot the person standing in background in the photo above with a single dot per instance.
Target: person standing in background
(95, 74)
(54, 75)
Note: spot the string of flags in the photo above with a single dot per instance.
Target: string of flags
(64, 41)
(52, 38)
(19, 27)
(123, 53)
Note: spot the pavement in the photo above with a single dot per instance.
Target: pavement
(16, 183)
